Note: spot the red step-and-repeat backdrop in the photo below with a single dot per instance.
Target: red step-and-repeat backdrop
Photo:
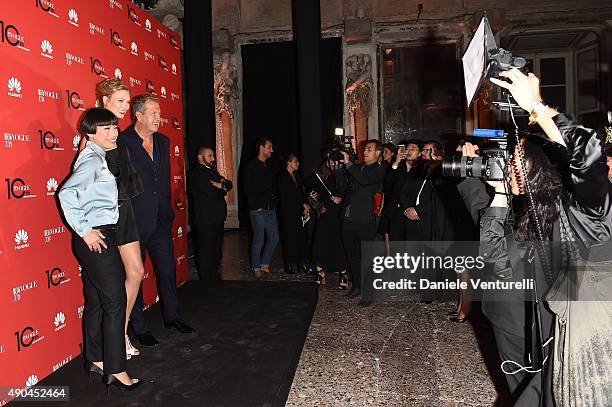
(52, 54)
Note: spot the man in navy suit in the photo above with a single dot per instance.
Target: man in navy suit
(150, 155)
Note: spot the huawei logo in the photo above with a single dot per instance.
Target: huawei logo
(163, 91)
(14, 87)
(148, 24)
(174, 69)
(73, 17)
(177, 151)
(118, 73)
(134, 48)
(21, 237)
(60, 319)
(46, 47)
(76, 140)
(179, 232)
(31, 381)
(51, 186)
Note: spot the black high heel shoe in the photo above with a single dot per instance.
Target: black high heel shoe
(90, 368)
(110, 380)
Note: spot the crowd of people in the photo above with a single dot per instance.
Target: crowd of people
(556, 189)
(397, 193)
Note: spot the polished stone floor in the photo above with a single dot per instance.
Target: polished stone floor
(388, 354)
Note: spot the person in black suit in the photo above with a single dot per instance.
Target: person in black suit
(359, 217)
(208, 189)
(293, 206)
(150, 155)
(405, 174)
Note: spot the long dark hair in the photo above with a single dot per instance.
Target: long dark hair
(546, 184)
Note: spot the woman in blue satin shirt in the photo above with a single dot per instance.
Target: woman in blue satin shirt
(89, 199)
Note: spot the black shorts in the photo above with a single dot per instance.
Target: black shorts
(127, 230)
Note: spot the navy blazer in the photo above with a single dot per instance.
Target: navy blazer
(153, 206)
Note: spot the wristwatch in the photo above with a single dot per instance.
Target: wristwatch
(537, 108)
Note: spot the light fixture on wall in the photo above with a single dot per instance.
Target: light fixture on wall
(339, 131)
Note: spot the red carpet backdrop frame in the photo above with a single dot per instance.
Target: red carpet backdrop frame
(52, 55)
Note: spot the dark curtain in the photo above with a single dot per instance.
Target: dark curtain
(270, 101)
(199, 77)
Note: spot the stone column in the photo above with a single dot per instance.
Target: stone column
(227, 102)
(360, 83)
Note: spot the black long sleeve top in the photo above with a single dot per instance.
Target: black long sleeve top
(260, 185)
(209, 201)
(364, 182)
(586, 198)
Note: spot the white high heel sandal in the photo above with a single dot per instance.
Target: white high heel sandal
(130, 350)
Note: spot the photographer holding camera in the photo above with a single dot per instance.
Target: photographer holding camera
(360, 213)
(568, 357)
(208, 189)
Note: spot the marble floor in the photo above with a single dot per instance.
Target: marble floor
(388, 354)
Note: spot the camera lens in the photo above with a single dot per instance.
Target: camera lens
(464, 167)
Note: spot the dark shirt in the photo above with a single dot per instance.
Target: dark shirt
(129, 183)
(114, 165)
(209, 201)
(156, 157)
(260, 185)
(153, 205)
(292, 194)
(364, 182)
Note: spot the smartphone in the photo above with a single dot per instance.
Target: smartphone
(401, 148)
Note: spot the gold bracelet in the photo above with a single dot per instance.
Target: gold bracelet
(537, 108)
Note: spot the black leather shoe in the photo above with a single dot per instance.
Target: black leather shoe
(180, 326)
(147, 339)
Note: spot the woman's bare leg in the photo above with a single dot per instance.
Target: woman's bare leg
(134, 273)
(465, 296)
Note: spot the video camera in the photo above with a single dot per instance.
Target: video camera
(335, 153)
